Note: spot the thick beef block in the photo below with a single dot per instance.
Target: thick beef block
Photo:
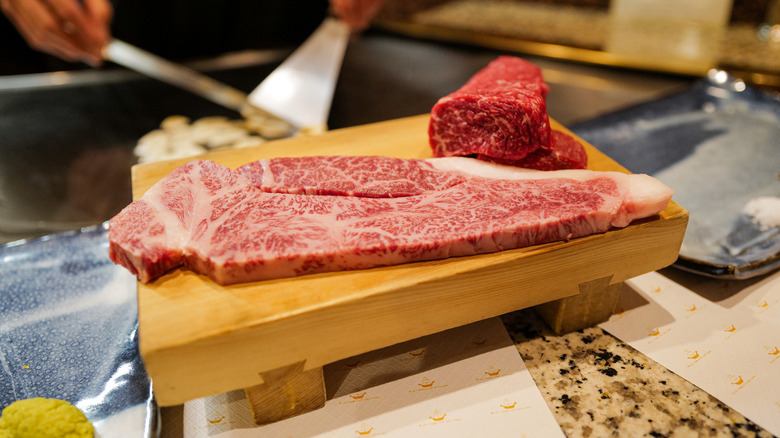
(566, 153)
(500, 113)
(235, 227)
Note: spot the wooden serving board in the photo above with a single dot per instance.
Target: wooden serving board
(198, 338)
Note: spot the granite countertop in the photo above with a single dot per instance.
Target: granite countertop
(597, 386)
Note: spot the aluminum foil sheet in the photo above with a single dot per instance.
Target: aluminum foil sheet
(69, 330)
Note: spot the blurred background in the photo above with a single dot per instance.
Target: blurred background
(685, 37)
(68, 131)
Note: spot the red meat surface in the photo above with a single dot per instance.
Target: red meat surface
(500, 113)
(566, 153)
(235, 226)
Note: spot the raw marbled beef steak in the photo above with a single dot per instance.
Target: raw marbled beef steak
(500, 112)
(566, 153)
(500, 115)
(217, 222)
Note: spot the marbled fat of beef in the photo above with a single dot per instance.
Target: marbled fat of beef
(500, 115)
(566, 153)
(217, 222)
(369, 177)
(500, 112)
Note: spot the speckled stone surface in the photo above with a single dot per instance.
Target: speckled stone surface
(598, 386)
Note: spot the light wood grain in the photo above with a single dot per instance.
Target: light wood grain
(198, 338)
(594, 304)
(286, 392)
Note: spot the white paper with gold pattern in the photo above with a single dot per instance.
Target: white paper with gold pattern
(722, 336)
(465, 382)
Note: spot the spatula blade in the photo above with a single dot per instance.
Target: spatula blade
(300, 90)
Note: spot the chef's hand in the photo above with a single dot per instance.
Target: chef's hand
(356, 13)
(74, 30)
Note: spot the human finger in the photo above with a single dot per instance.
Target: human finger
(358, 14)
(344, 9)
(80, 27)
(40, 28)
(100, 13)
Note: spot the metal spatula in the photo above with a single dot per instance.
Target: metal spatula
(154, 66)
(299, 91)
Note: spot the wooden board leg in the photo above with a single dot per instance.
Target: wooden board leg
(286, 392)
(594, 304)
